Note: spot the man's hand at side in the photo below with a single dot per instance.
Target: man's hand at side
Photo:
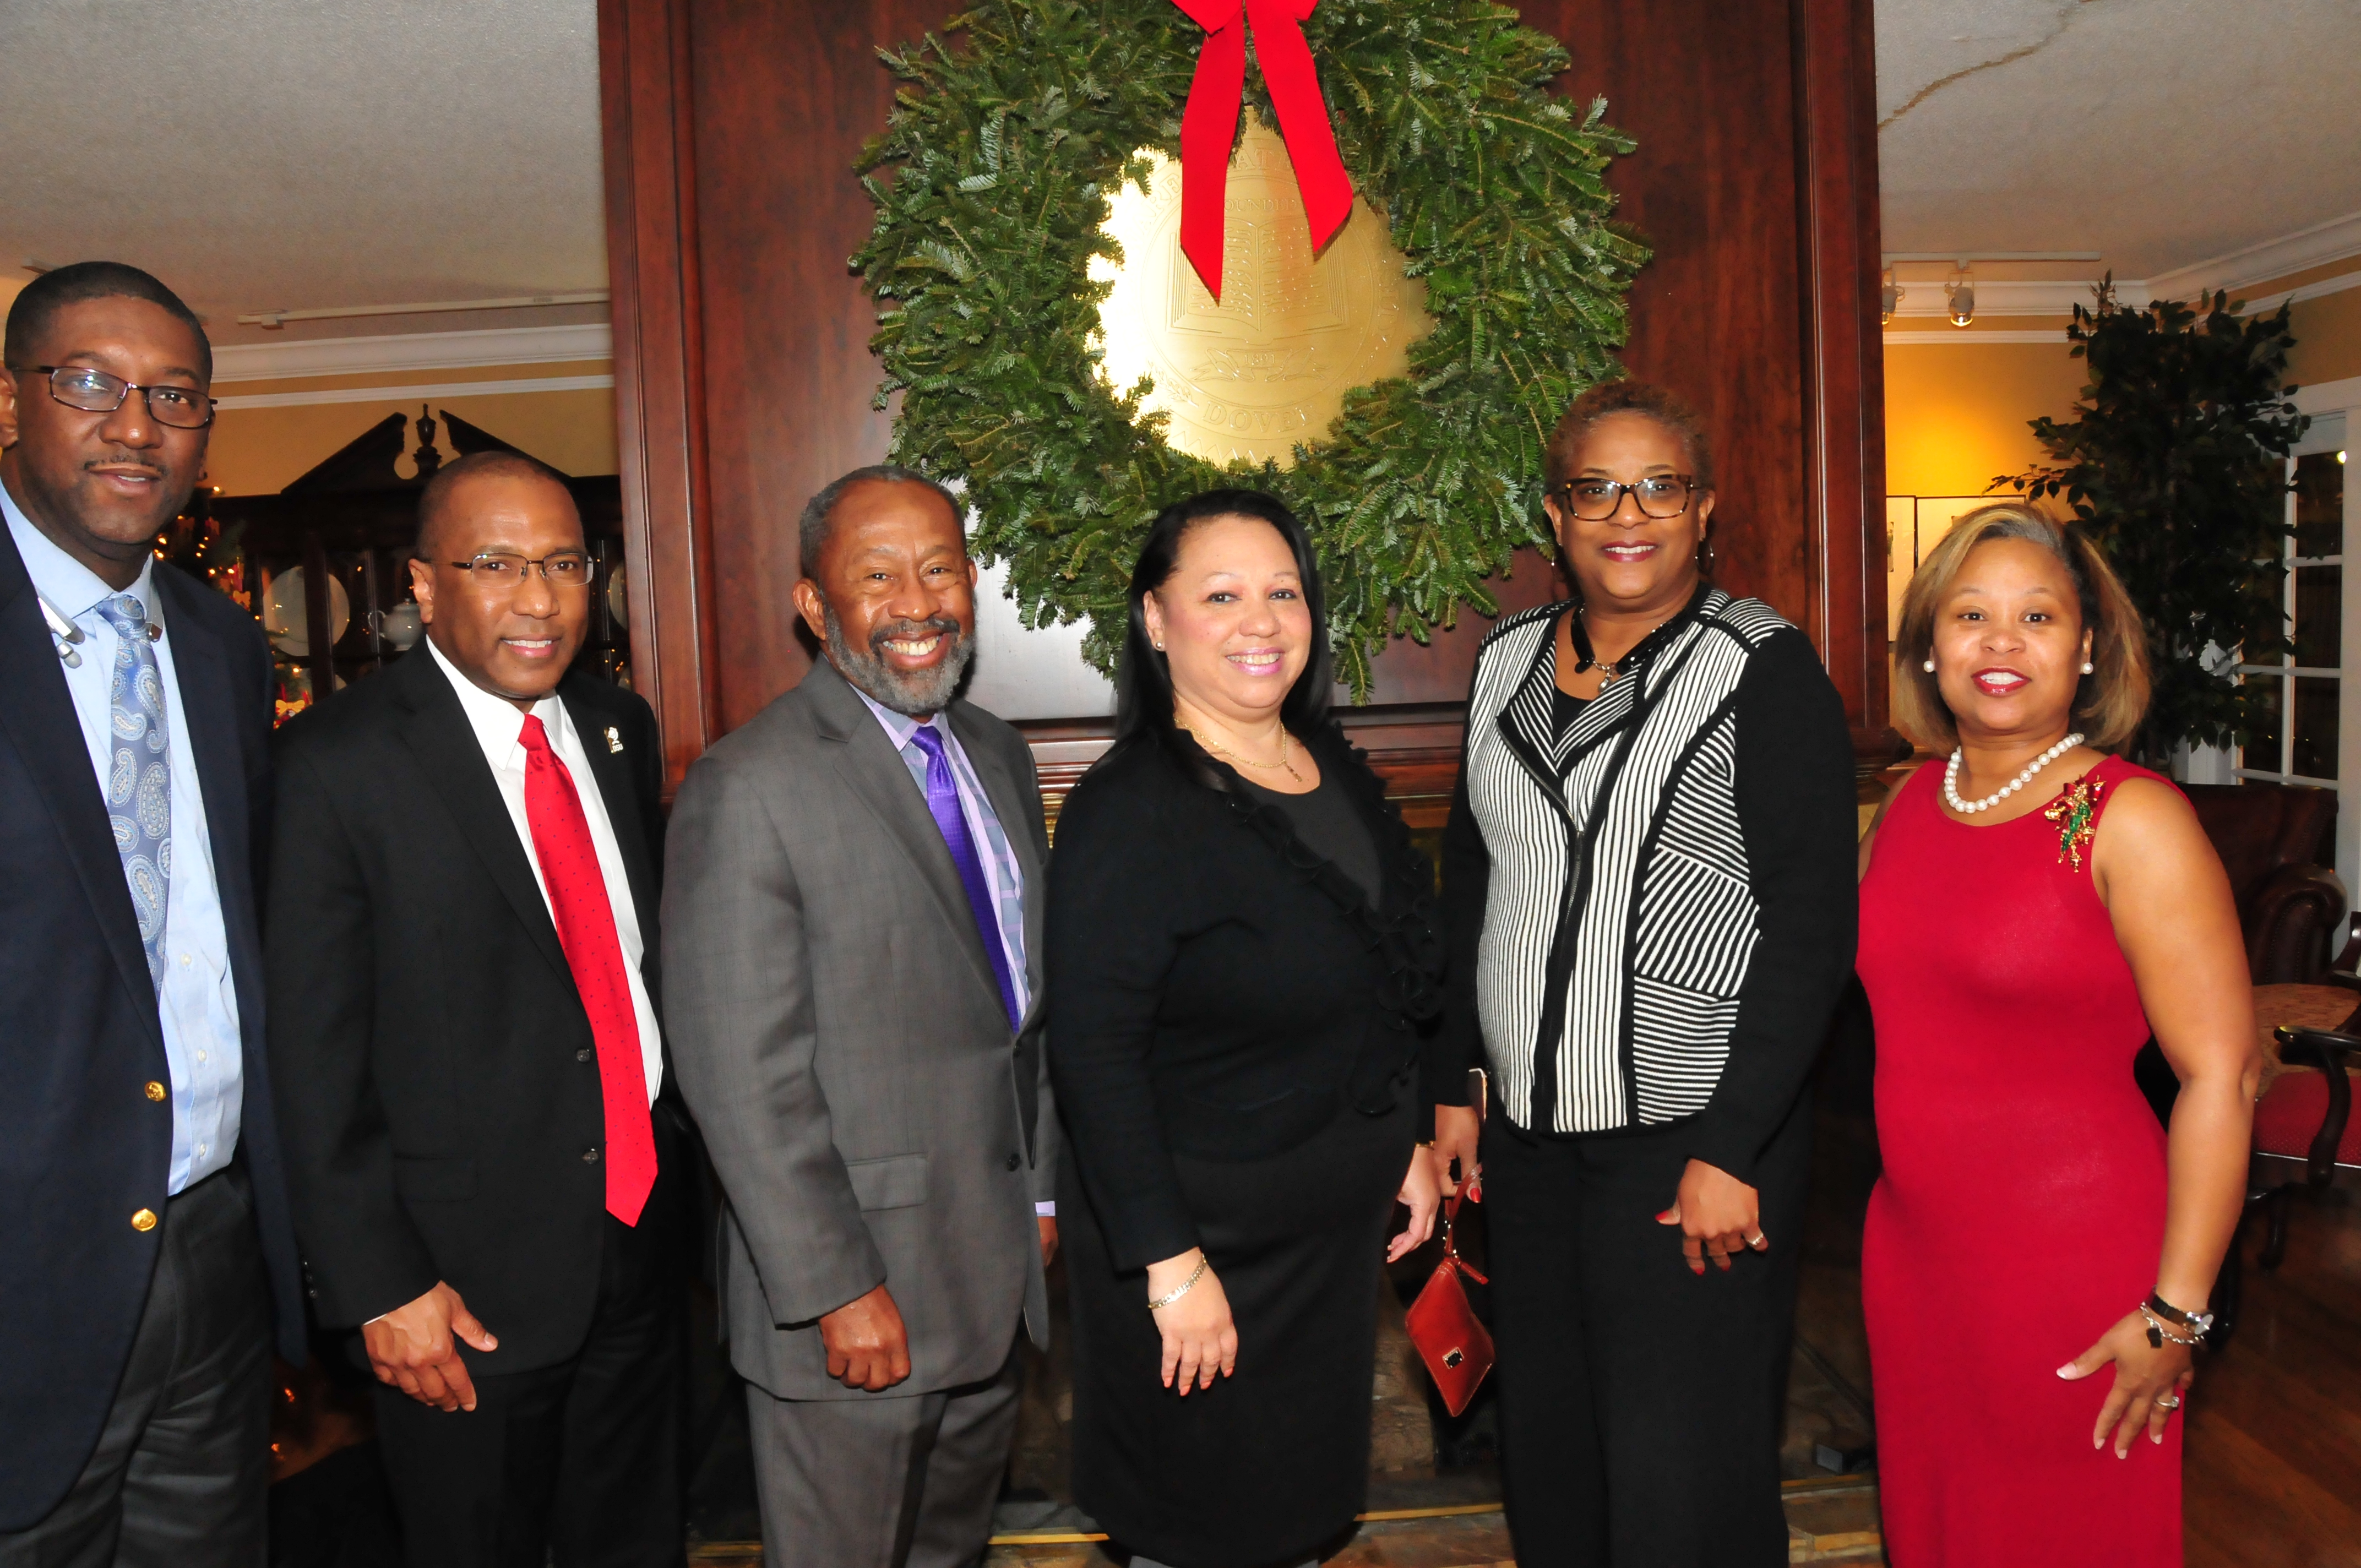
(867, 1345)
(1049, 1228)
(416, 1348)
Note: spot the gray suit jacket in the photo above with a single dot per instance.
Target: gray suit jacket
(837, 1029)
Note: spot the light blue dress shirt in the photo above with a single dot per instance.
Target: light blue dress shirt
(198, 1000)
(983, 827)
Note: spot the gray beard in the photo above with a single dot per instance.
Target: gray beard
(914, 695)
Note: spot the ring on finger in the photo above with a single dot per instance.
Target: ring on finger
(2167, 1402)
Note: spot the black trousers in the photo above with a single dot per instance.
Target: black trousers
(178, 1476)
(1640, 1404)
(580, 1461)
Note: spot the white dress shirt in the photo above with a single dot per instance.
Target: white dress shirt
(500, 729)
(197, 1000)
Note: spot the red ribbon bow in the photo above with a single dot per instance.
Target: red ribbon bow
(1212, 119)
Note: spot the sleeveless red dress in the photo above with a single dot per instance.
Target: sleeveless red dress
(2022, 1208)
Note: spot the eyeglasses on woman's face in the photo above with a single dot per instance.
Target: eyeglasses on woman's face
(1595, 499)
(94, 391)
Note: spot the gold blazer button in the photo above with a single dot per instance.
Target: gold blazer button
(145, 1220)
(155, 1090)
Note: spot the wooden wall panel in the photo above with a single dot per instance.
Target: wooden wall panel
(744, 377)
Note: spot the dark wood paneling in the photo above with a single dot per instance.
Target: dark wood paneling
(744, 379)
(786, 96)
(651, 158)
(1707, 90)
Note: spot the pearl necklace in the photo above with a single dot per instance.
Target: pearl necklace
(1969, 807)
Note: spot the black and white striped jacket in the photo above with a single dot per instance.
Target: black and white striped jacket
(1620, 918)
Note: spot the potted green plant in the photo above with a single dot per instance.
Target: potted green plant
(2175, 460)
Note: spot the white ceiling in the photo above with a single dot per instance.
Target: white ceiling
(2160, 133)
(286, 154)
(261, 154)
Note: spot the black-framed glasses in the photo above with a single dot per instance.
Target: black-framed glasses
(1658, 494)
(506, 569)
(94, 391)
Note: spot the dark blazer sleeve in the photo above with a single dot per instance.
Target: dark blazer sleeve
(1112, 942)
(319, 962)
(1797, 811)
(1459, 1044)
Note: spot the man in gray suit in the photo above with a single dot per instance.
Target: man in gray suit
(852, 945)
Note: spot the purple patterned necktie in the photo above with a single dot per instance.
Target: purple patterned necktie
(943, 801)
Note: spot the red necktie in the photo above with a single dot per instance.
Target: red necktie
(585, 929)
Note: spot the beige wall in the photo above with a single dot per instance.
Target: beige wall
(258, 451)
(1956, 413)
(2327, 338)
(1957, 410)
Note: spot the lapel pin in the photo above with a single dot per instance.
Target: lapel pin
(614, 740)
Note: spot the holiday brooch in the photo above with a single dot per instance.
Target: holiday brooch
(2076, 812)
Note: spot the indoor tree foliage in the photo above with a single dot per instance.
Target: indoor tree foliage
(2176, 462)
(1002, 153)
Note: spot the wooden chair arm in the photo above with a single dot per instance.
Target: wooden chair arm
(2328, 1050)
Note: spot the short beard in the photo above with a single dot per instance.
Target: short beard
(915, 693)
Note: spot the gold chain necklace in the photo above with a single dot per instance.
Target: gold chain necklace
(1221, 750)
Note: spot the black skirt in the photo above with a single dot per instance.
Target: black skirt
(1273, 1461)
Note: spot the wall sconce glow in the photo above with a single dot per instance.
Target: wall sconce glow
(1889, 299)
(1961, 293)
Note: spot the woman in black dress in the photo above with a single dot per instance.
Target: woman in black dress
(1649, 877)
(1240, 952)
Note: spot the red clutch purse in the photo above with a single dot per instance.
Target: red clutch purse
(1456, 1345)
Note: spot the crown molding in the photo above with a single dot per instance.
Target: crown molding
(411, 351)
(1961, 339)
(2329, 397)
(412, 392)
(2339, 239)
(2323, 245)
(1924, 297)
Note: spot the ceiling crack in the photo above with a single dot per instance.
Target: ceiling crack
(2065, 15)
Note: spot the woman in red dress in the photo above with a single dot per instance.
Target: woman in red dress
(2039, 1254)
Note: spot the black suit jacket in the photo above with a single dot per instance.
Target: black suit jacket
(437, 1073)
(81, 1147)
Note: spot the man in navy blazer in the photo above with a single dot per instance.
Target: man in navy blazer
(146, 1248)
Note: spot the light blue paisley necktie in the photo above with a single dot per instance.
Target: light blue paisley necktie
(140, 773)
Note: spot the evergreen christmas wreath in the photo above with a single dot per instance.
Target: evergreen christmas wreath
(1004, 152)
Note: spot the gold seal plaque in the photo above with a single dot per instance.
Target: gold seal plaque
(1269, 366)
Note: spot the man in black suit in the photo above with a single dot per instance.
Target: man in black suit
(462, 959)
(145, 1245)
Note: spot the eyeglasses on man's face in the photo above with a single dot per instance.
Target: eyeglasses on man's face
(504, 569)
(94, 391)
(1657, 495)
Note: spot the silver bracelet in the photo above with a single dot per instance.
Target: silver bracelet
(1167, 1300)
(2159, 1331)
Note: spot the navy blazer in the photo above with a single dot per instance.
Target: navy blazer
(81, 1147)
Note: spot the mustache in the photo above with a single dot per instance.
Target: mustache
(129, 460)
(906, 630)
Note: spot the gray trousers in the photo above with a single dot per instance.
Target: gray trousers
(882, 1481)
(183, 1461)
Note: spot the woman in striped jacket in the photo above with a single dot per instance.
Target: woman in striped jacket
(1649, 878)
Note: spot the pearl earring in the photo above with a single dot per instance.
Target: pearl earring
(2089, 668)
(1929, 667)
